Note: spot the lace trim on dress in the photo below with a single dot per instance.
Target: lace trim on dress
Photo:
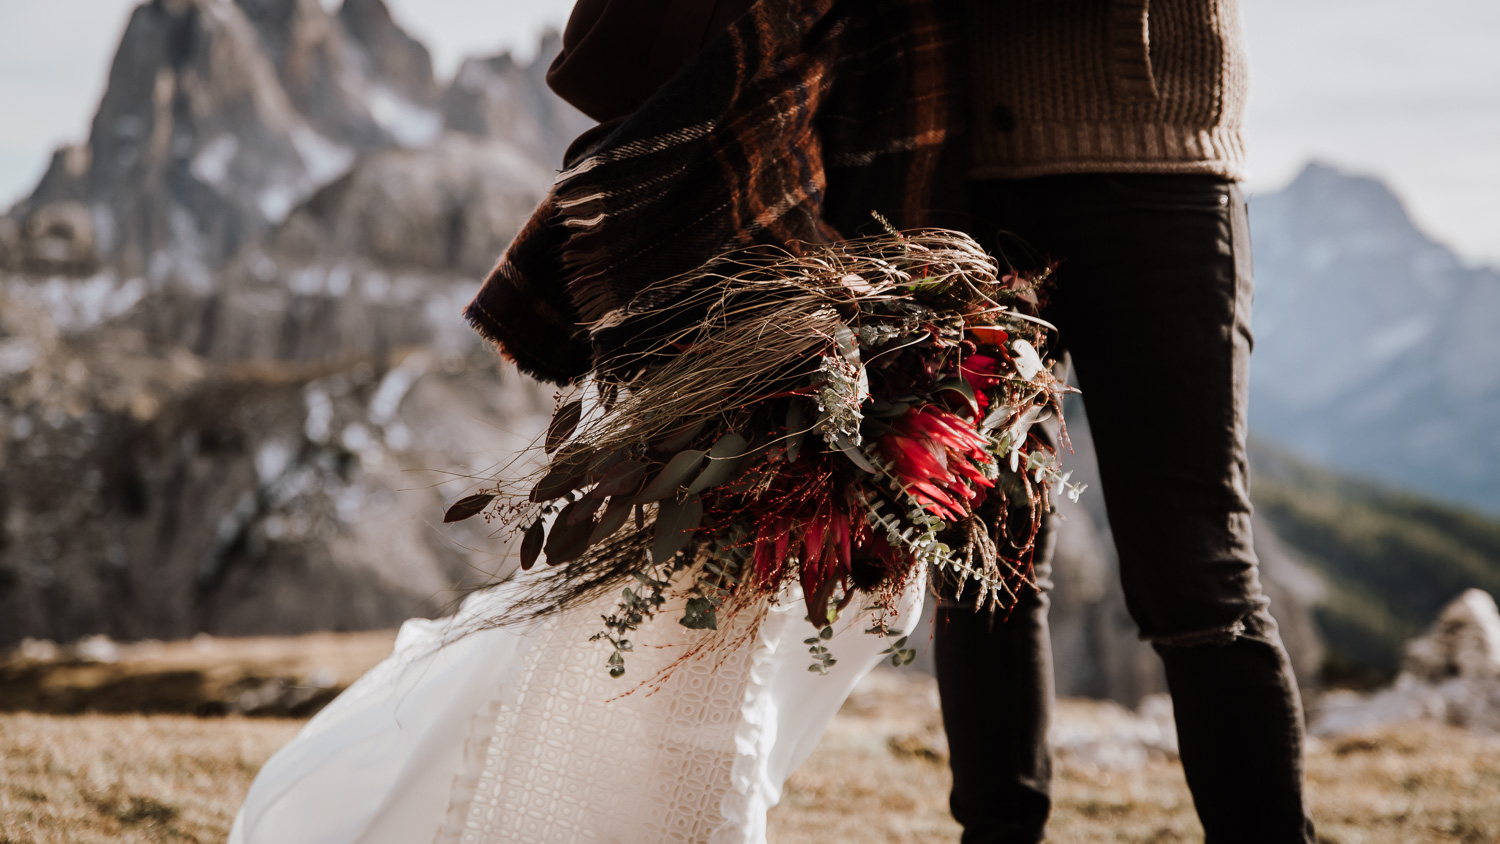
(564, 754)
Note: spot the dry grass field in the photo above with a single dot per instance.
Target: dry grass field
(878, 776)
(131, 779)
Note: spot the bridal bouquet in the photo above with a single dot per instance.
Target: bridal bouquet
(841, 417)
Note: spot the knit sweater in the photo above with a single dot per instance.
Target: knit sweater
(1091, 86)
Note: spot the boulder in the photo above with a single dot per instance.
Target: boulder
(1451, 675)
(58, 239)
(1465, 642)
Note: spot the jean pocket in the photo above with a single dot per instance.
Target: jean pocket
(1173, 190)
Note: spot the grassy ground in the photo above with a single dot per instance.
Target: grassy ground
(130, 779)
(879, 776)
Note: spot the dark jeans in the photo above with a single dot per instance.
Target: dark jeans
(1152, 300)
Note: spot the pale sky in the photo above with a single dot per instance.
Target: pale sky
(1406, 92)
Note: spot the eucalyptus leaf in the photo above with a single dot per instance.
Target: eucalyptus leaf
(563, 477)
(675, 523)
(699, 615)
(887, 410)
(568, 539)
(724, 460)
(796, 429)
(564, 422)
(531, 544)
(683, 466)
(468, 507)
(844, 337)
(794, 445)
(613, 519)
(604, 461)
(998, 413)
(852, 452)
(624, 478)
(580, 511)
(681, 438)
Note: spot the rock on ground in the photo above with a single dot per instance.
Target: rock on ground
(1451, 675)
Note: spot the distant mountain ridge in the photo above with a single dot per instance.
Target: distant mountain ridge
(221, 117)
(1377, 351)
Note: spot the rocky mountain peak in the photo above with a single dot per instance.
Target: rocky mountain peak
(235, 325)
(394, 58)
(1328, 201)
(1375, 351)
(488, 94)
(311, 53)
(218, 119)
(195, 145)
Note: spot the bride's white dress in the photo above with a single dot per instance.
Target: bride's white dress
(467, 735)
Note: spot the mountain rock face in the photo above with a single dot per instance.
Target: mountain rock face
(488, 93)
(221, 117)
(318, 66)
(460, 202)
(196, 148)
(147, 492)
(1376, 351)
(391, 58)
(234, 378)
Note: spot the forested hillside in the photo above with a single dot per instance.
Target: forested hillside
(1391, 559)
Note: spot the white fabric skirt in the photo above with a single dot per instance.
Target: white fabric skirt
(519, 734)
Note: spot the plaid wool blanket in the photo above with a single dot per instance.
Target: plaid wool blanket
(792, 127)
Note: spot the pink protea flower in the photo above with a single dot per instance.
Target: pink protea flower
(935, 454)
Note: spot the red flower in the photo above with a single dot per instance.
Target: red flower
(989, 334)
(935, 455)
(804, 514)
(982, 373)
